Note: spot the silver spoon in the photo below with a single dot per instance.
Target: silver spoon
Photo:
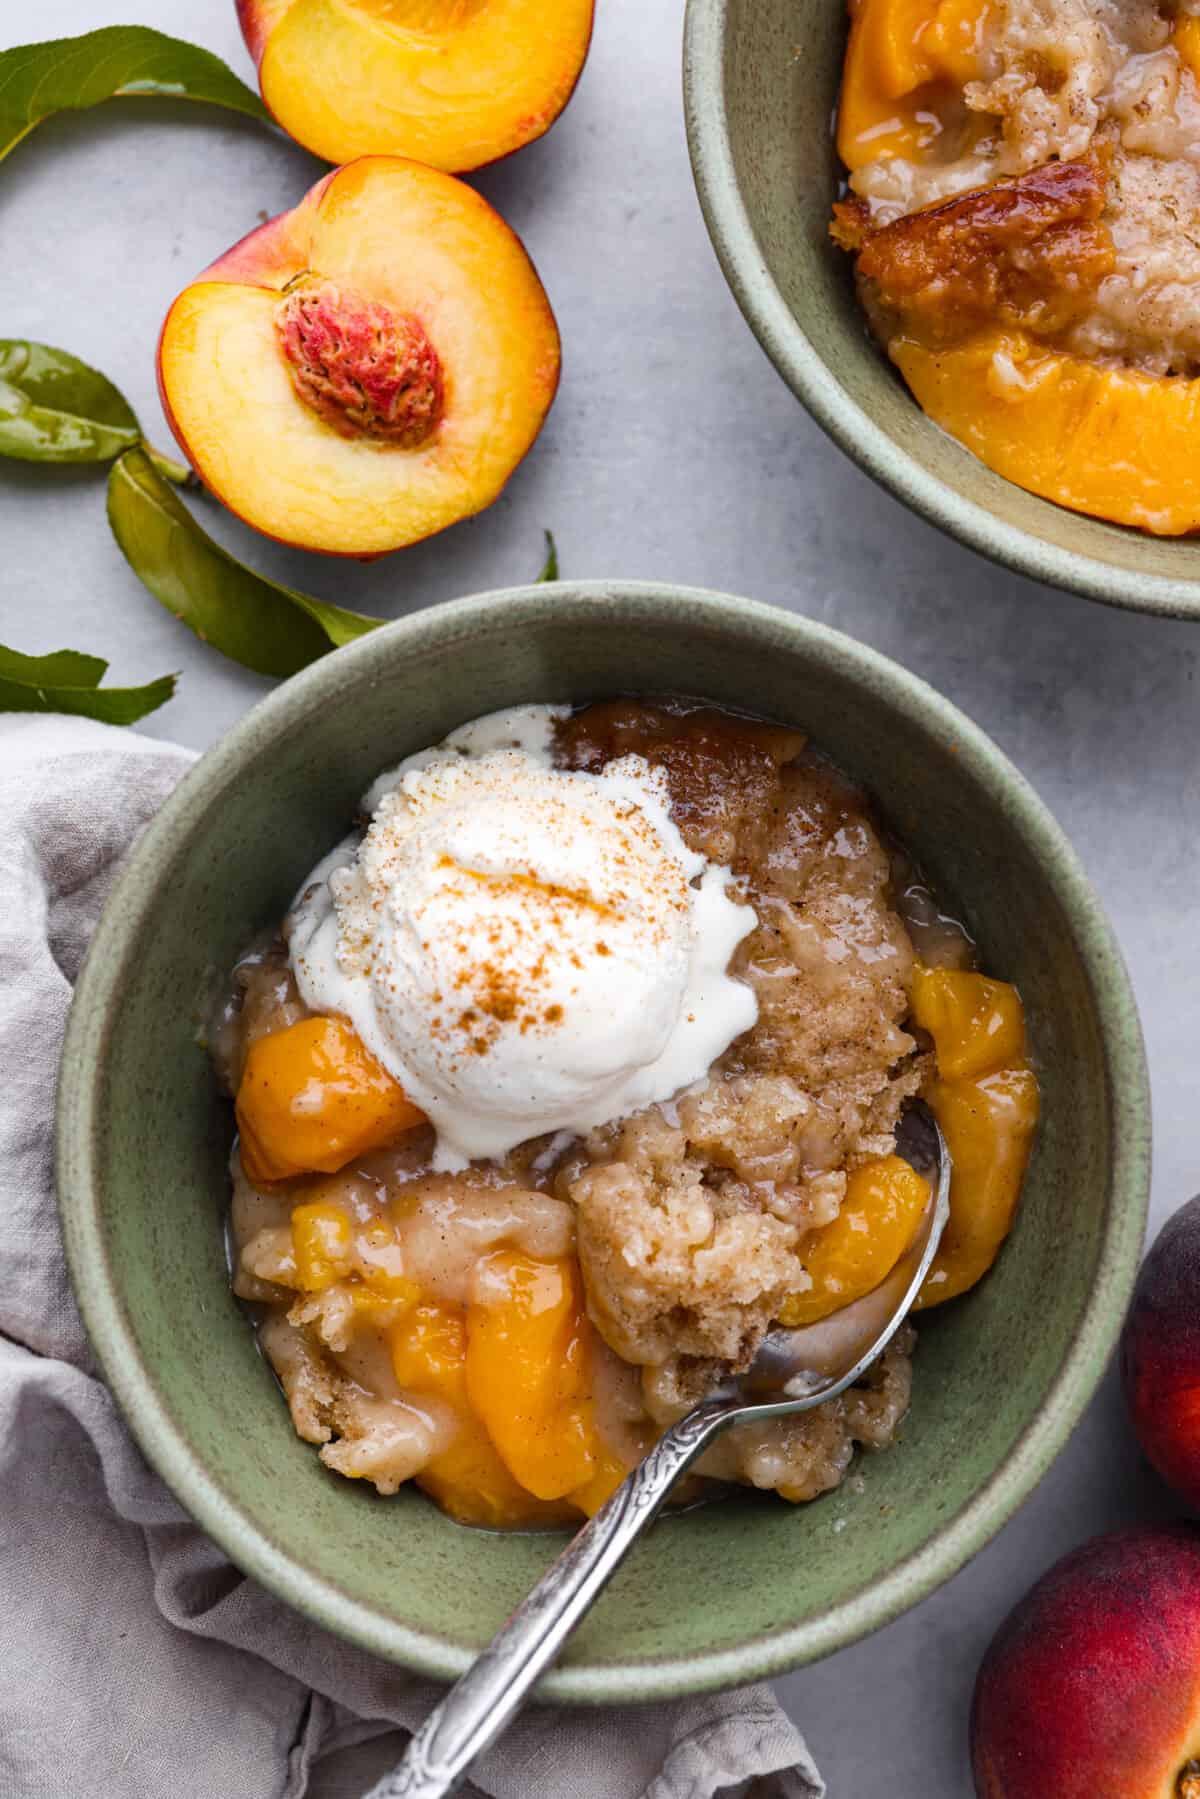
(794, 1371)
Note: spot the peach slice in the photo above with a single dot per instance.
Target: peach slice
(527, 1371)
(312, 1098)
(878, 1220)
(467, 1478)
(904, 62)
(1111, 442)
(986, 1099)
(321, 1244)
(367, 369)
(451, 83)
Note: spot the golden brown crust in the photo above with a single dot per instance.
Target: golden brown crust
(691, 1216)
(720, 770)
(1027, 253)
(850, 226)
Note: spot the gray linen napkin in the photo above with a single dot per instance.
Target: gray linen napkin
(135, 1661)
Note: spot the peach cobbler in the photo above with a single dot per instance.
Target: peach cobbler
(576, 1069)
(1024, 213)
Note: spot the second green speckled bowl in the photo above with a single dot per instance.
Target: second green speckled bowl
(761, 82)
(732, 1591)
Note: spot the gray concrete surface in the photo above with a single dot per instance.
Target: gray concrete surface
(675, 453)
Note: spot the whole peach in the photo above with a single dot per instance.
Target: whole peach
(1160, 1354)
(1091, 1686)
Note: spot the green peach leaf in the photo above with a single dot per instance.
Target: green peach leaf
(54, 408)
(267, 627)
(550, 567)
(68, 681)
(69, 74)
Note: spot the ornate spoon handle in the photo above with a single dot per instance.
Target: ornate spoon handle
(478, 1707)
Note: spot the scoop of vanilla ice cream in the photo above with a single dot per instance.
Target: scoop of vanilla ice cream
(525, 949)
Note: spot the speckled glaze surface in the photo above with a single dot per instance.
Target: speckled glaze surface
(732, 1591)
(760, 82)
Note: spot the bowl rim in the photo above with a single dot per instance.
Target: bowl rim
(79, 1132)
(810, 379)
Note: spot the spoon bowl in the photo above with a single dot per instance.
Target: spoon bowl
(794, 1371)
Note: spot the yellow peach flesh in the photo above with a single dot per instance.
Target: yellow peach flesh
(424, 245)
(312, 1098)
(986, 1100)
(882, 1209)
(452, 83)
(467, 1479)
(527, 1372)
(321, 1243)
(1111, 442)
(904, 61)
(1185, 35)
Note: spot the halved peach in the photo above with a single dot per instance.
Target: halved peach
(452, 83)
(1115, 443)
(367, 369)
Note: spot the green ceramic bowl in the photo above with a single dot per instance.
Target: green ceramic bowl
(719, 1595)
(761, 81)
